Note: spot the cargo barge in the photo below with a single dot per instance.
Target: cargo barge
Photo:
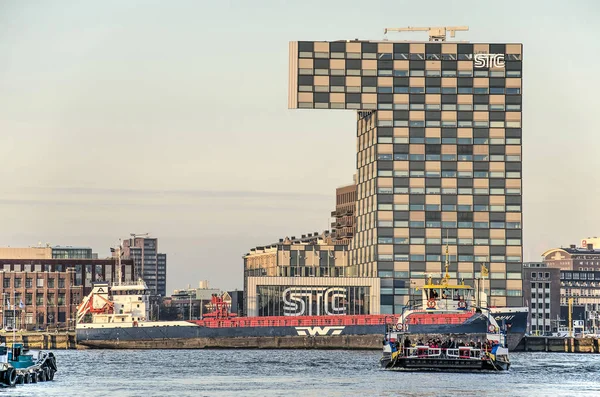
(116, 317)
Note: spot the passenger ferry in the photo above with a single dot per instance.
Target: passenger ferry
(454, 330)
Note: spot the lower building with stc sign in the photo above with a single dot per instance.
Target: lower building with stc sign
(312, 296)
(306, 276)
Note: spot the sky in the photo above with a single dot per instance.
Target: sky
(171, 118)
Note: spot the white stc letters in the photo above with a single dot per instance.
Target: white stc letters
(489, 60)
(298, 301)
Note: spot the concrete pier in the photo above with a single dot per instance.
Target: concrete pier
(558, 345)
(41, 340)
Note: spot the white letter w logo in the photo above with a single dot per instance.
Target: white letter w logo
(320, 331)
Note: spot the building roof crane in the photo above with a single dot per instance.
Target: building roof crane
(436, 33)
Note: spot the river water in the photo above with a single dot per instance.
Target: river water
(320, 373)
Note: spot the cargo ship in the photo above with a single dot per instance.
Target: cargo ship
(116, 316)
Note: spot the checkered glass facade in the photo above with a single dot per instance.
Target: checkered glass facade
(438, 157)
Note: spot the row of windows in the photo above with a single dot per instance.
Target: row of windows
(447, 141)
(405, 73)
(478, 191)
(410, 90)
(446, 157)
(478, 174)
(465, 191)
(438, 241)
(444, 225)
(461, 275)
(29, 283)
(540, 275)
(540, 285)
(449, 123)
(454, 225)
(450, 107)
(461, 258)
(579, 276)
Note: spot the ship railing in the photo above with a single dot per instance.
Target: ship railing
(422, 351)
(464, 352)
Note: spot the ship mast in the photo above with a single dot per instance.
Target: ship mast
(447, 275)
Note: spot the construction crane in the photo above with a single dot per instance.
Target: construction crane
(135, 235)
(436, 33)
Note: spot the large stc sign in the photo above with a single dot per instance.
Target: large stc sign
(313, 301)
(489, 60)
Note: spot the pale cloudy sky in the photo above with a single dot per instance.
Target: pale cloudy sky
(171, 118)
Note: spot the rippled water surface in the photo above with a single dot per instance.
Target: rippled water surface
(308, 373)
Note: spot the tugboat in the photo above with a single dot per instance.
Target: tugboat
(20, 366)
(30, 367)
(451, 333)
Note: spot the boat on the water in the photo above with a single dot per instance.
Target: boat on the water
(18, 366)
(117, 316)
(454, 332)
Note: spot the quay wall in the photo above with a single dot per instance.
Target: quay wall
(558, 345)
(41, 340)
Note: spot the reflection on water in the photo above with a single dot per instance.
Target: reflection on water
(308, 373)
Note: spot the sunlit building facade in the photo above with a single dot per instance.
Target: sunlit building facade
(439, 127)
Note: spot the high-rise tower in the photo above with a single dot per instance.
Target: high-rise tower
(438, 156)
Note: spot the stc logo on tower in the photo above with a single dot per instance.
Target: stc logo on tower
(489, 60)
(313, 301)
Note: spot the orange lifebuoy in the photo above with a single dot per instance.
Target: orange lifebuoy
(462, 304)
(431, 303)
(491, 328)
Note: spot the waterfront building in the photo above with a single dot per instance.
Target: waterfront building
(542, 292)
(26, 253)
(86, 271)
(344, 225)
(438, 157)
(573, 258)
(43, 299)
(190, 301)
(70, 252)
(150, 265)
(583, 286)
(306, 276)
(236, 303)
